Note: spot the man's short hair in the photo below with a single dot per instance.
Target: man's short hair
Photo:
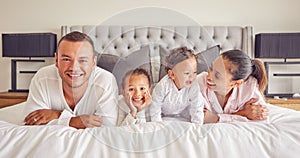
(77, 36)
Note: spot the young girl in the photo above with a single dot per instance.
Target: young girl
(177, 96)
(230, 86)
(136, 91)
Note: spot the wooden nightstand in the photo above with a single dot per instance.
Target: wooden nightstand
(291, 103)
(11, 98)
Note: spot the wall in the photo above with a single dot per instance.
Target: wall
(49, 15)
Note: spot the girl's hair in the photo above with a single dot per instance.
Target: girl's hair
(242, 67)
(137, 71)
(178, 55)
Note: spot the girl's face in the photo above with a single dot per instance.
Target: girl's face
(135, 89)
(184, 73)
(219, 79)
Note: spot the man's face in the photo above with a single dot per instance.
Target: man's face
(75, 62)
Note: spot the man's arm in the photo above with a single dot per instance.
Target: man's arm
(40, 117)
(85, 121)
(106, 93)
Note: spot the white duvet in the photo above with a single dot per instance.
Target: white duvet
(280, 138)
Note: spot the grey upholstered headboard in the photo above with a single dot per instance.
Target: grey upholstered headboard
(119, 40)
(123, 40)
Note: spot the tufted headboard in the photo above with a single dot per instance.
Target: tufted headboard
(123, 40)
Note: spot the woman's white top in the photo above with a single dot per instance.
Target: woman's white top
(240, 95)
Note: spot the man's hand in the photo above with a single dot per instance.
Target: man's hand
(85, 121)
(254, 111)
(41, 117)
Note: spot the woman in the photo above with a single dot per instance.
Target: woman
(232, 89)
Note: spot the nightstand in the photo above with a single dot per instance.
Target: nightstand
(291, 103)
(12, 98)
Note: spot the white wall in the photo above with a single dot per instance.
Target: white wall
(48, 15)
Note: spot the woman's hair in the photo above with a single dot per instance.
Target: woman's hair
(137, 71)
(242, 67)
(178, 55)
(76, 36)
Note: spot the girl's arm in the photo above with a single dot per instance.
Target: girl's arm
(127, 119)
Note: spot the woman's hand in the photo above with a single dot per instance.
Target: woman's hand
(210, 117)
(254, 111)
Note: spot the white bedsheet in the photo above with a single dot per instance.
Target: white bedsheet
(280, 138)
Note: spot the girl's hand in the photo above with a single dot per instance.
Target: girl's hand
(148, 100)
(133, 109)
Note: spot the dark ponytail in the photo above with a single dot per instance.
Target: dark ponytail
(243, 67)
(259, 72)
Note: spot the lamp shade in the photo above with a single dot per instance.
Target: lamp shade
(29, 45)
(277, 45)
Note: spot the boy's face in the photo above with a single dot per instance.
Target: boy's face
(135, 88)
(184, 73)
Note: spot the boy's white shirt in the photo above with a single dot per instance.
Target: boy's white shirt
(168, 101)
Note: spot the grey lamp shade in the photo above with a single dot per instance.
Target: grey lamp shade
(29, 45)
(277, 45)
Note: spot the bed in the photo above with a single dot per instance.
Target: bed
(279, 138)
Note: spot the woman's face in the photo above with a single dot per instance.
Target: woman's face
(184, 73)
(135, 89)
(219, 78)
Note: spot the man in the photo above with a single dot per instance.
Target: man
(73, 92)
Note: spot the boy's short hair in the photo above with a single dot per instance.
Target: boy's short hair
(178, 55)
